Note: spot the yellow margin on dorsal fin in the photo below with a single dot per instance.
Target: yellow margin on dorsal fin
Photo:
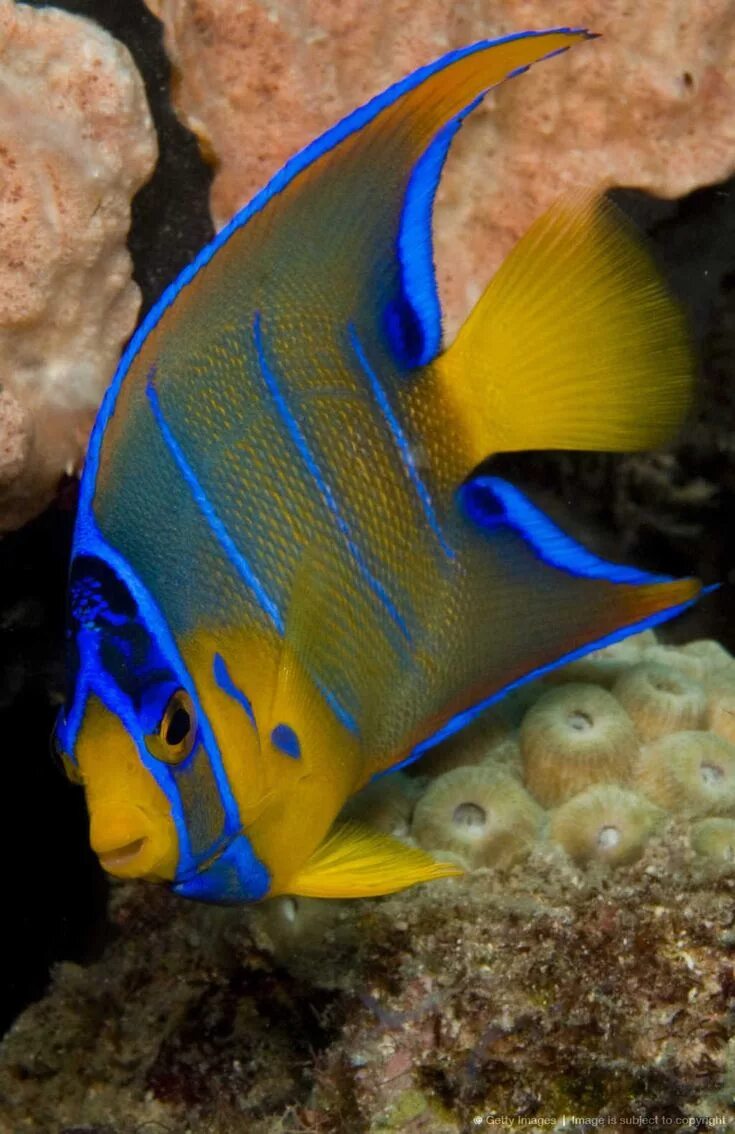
(357, 862)
(576, 343)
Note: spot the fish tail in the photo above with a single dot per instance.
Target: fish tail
(575, 344)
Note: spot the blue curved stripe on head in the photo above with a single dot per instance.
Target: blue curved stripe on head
(285, 740)
(415, 251)
(491, 502)
(89, 540)
(461, 720)
(351, 124)
(225, 540)
(224, 679)
(116, 703)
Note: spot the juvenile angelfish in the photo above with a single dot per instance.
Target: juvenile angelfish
(287, 576)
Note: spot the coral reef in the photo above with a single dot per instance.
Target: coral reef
(652, 100)
(67, 299)
(583, 966)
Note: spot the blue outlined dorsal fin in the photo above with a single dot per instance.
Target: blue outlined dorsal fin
(350, 215)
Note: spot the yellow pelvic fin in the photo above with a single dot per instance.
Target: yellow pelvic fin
(576, 343)
(356, 862)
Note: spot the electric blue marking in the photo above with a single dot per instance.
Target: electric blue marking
(224, 679)
(491, 502)
(461, 720)
(88, 540)
(415, 250)
(221, 533)
(285, 739)
(119, 705)
(234, 876)
(343, 716)
(302, 447)
(402, 444)
(351, 124)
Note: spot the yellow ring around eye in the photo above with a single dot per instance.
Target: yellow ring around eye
(177, 731)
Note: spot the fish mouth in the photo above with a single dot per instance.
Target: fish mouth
(130, 843)
(121, 857)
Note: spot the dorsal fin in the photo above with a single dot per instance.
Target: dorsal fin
(352, 211)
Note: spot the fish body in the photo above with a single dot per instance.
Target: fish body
(286, 577)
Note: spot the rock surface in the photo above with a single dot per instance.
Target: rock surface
(67, 299)
(649, 105)
(536, 995)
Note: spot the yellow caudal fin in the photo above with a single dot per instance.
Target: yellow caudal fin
(576, 343)
(356, 862)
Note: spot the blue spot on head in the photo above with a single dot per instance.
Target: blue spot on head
(284, 738)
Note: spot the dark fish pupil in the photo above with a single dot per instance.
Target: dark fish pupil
(178, 727)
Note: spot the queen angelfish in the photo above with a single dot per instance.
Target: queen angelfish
(288, 576)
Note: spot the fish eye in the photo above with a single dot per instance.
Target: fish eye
(176, 733)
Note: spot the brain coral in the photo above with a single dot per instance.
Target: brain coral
(76, 143)
(649, 105)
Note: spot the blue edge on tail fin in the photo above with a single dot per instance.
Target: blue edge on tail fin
(491, 502)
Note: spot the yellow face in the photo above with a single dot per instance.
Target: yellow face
(132, 831)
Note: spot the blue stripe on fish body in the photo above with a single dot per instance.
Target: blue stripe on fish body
(297, 436)
(402, 443)
(343, 716)
(285, 739)
(224, 679)
(224, 538)
(491, 502)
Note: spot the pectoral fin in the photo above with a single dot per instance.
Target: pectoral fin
(355, 862)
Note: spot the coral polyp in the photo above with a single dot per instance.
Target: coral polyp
(721, 708)
(574, 736)
(714, 841)
(692, 773)
(604, 824)
(483, 815)
(660, 699)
